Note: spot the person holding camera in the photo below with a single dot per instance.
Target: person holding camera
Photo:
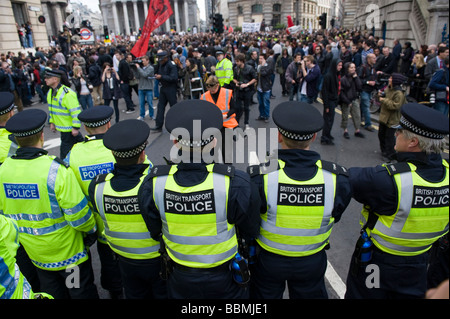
(293, 76)
(83, 88)
(244, 80)
(392, 99)
(368, 75)
(111, 88)
(145, 74)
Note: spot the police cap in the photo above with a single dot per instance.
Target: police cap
(423, 121)
(127, 138)
(162, 54)
(6, 102)
(219, 52)
(27, 123)
(297, 120)
(49, 73)
(186, 114)
(96, 116)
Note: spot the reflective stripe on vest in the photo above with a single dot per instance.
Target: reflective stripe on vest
(416, 225)
(190, 247)
(135, 242)
(223, 102)
(279, 234)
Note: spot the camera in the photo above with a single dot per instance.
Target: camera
(382, 93)
(137, 61)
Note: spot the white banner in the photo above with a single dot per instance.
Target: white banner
(251, 27)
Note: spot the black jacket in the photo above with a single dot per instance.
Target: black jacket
(350, 87)
(330, 88)
(169, 73)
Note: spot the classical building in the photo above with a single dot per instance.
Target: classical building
(55, 13)
(20, 12)
(275, 12)
(126, 17)
(417, 21)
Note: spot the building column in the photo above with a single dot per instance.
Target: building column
(145, 8)
(186, 15)
(116, 18)
(137, 24)
(177, 16)
(168, 25)
(125, 16)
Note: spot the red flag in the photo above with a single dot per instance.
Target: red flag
(158, 12)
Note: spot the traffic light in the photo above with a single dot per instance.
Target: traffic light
(218, 23)
(323, 20)
(106, 32)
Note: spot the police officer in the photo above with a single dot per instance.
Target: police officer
(43, 196)
(199, 207)
(88, 159)
(302, 198)
(8, 145)
(64, 108)
(114, 197)
(168, 77)
(224, 70)
(405, 210)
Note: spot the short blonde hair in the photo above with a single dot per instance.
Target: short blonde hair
(212, 81)
(76, 70)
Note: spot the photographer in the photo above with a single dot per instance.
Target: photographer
(83, 88)
(293, 76)
(145, 74)
(368, 76)
(111, 88)
(391, 100)
(244, 79)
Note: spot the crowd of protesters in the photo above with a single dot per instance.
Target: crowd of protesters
(347, 69)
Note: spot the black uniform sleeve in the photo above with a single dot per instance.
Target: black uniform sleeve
(243, 205)
(149, 211)
(343, 196)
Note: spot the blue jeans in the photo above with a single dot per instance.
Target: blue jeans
(441, 106)
(365, 108)
(305, 98)
(85, 101)
(156, 88)
(146, 95)
(264, 104)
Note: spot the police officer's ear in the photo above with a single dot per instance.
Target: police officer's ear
(142, 157)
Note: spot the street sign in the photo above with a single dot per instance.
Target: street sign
(86, 36)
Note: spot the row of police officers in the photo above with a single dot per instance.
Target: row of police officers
(199, 229)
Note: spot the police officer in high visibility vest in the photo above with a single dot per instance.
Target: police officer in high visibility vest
(198, 208)
(115, 198)
(224, 70)
(55, 222)
(88, 159)
(8, 146)
(303, 197)
(405, 210)
(63, 109)
(223, 99)
(13, 284)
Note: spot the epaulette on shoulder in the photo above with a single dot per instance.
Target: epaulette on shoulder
(60, 161)
(262, 169)
(334, 168)
(159, 170)
(397, 168)
(224, 169)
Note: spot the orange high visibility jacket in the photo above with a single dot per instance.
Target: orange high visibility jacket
(223, 103)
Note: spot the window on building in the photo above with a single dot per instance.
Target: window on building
(240, 10)
(257, 8)
(276, 19)
(276, 7)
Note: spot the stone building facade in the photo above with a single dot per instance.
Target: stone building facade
(21, 11)
(126, 17)
(417, 21)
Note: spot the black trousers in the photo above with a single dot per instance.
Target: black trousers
(243, 98)
(388, 277)
(166, 95)
(67, 142)
(328, 118)
(386, 137)
(195, 283)
(61, 284)
(305, 276)
(110, 277)
(141, 278)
